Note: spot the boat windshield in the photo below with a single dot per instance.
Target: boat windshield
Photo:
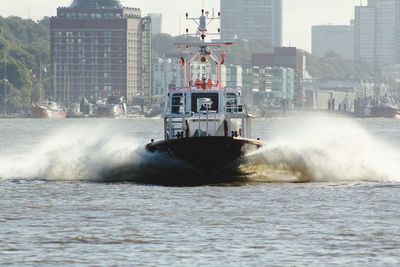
(205, 102)
(177, 104)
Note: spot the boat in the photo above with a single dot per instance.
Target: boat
(74, 111)
(83, 109)
(382, 108)
(48, 109)
(206, 125)
(112, 107)
(386, 108)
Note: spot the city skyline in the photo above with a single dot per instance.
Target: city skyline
(297, 19)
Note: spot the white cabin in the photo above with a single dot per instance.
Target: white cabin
(194, 112)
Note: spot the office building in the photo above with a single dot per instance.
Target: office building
(333, 38)
(156, 23)
(282, 85)
(377, 33)
(286, 57)
(232, 76)
(100, 48)
(167, 73)
(252, 20)
(268, 86)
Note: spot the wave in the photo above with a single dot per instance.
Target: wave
(73, 153)
(325, 149)
(322, 149)
(87, 153)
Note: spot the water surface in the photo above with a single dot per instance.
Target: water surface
(55, 211)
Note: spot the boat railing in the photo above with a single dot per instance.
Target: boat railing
(176, 125)
(179, 114)
(180, 89)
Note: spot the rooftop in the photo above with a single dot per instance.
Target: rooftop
(97, 4)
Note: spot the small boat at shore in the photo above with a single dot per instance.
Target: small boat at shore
(381, 108)
(48, 109)
(112, 107)
(385, 109)
(206, 125)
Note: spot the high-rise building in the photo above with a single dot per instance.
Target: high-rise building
(286, 57)
(156, 23)
(167, 72)
(252, 20)
(335, 38)
(232, 76)
(268, 86)
(100, 48)
(377, 33)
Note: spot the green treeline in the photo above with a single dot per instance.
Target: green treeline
(333, 67)
(23, 45)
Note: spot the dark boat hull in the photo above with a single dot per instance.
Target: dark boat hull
(384, 112)
(213, 159)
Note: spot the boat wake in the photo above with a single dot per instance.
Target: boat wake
(325, 149)
(95, 154)
(71, 154)
(315, 150)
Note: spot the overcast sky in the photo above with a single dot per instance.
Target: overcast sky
(299, 15)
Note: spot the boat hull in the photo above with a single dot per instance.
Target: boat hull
(43, 113)
(213, 159)
(384, 112)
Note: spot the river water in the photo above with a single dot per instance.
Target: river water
(326, 193)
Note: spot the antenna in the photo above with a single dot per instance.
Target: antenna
(205, 52)
(203, 21)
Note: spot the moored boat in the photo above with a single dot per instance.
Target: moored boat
(48, 109)
(385, 109)
(112, 107)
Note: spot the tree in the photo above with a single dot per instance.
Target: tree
(332, 66)
(22, 44)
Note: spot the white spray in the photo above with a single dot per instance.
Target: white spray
(322, 149)
(73, 153)
(316, 149)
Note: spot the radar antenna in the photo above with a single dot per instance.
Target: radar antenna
(205, 49)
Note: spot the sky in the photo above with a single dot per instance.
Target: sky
(299, 15)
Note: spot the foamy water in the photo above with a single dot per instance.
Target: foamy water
(327, 149)
(88, 153)
(317, 149)
(72, 153)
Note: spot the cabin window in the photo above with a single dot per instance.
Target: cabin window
(177, 105)
(232, 103)
(205, 101)
(231, 99)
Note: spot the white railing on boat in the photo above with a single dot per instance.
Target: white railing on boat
(176, 124)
